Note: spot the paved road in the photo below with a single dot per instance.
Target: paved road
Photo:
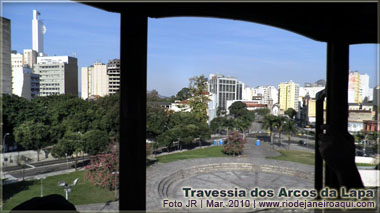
(41, 169)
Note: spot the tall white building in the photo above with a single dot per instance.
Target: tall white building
(24, 83)
(38, 31)
(248, 93)
(269, 94)
(58, 75)
(94, 80)
(225, 88)
(5, 57)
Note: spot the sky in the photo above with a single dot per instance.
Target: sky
(183, 47)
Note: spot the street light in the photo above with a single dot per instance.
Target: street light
(114, 173)
(67, 186)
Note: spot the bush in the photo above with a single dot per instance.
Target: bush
(99, 171)
(235, 144)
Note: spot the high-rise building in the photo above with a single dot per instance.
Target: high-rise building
(94, 80)
(25, 83)
(30, 58)
(358, 87)
(225, 88)
(288, 93)
(5, 57)
(38, 31)
(58, 75)
(269, 94)
(113, 71)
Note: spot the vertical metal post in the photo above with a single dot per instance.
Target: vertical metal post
(133, 59)
(337, 95)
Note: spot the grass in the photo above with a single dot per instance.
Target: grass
(83, 193)
(214, 151)
(366, 164)
(295, 156)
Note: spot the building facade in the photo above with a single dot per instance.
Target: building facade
(225, 88)
(25, 83)
(288, 93)
(358, 87)
(269, 94)
(30, 58)
(5, 59)
(58, 75)
(113, 71)
(38, 31)
(94, 80)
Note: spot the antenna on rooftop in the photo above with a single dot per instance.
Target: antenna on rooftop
(74, 54)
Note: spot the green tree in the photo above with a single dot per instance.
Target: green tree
(291, 113)
(95, 141)
(279, 124)
(106, 111)
(269, 122)
(15, 110)
(242, 117)
(183, 94)
(199, 98)
(156, 120)
(238, 109)
(32, 135)
(71, 143)
(289, 128)
(262, 112)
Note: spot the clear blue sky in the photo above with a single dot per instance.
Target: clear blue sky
(180, 48)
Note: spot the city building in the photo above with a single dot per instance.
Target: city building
(30, 58)
(113, 71)
(311, 91)
(269, 94)
(38, 31)
(5, 58)
(225, 88)
(94, 80)
(288, 93)
(24, 82)
(358, 87)
(58, 75)
(248, 93)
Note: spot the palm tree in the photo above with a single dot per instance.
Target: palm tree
(280, 121)
(289, 128)
(269, 122)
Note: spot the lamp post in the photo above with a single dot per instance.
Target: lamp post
(115, 173)
(42, 189)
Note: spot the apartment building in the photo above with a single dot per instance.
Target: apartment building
(58, 75)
